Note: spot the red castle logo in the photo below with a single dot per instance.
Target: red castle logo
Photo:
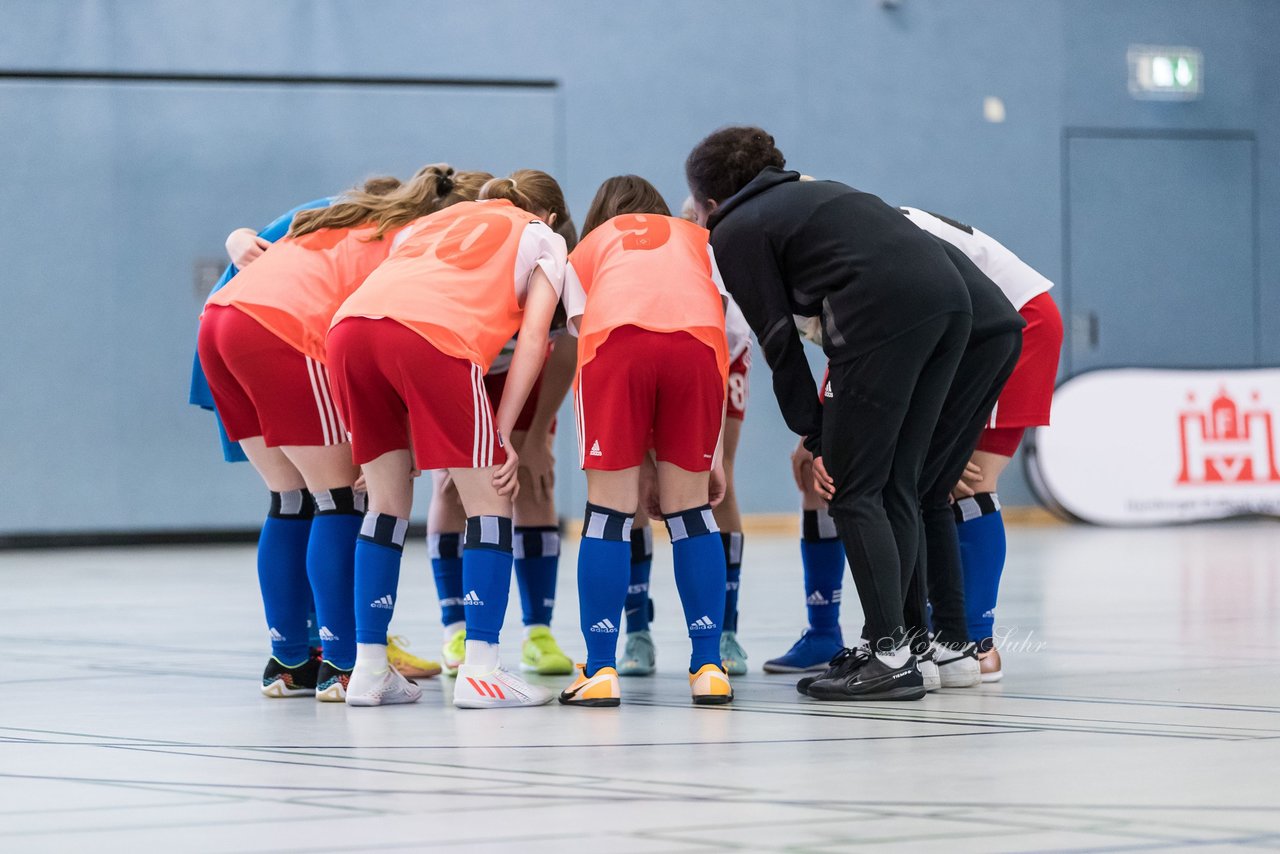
(1223, 444)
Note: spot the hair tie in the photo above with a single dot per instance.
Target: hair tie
(444, 185)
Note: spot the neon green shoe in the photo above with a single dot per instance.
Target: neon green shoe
(454, 653)
(732, 655)
(541, 654)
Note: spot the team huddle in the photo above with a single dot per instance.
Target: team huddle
(436, 325)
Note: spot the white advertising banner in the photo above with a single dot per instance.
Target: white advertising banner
(1145, 446)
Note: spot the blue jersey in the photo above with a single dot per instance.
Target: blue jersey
(200, 394)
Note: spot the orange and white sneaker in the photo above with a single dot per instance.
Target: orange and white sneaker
(990, 665)
(602, 689)
(710, 686)
(479, 687)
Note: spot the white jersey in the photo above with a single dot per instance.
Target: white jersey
(736, 330)
(1019, 281)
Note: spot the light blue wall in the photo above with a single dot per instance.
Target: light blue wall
(887, 99)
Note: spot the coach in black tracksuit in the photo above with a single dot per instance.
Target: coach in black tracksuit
(896, 318)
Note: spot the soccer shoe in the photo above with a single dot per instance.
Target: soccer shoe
(732, 655)
(710, 686)
(845, 661)
(479, 687)
(990, 665)
(813, 651)
(409, 665)
(639, 658)
(866, 677)
(331, 683)
(454, 652)
(602, 689)
(380, 688)
(929, 670)
(542, 655)
(958, 668)
(280, 680)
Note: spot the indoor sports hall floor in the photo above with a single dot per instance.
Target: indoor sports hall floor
(1141, 713)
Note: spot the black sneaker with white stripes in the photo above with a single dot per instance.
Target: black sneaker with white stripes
(873, 680)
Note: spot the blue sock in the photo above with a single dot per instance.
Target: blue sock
(732, 543)
(331, 566)
(639, 606)
(537, 557)
(486, 575)
(982, 552)
(313, 625)
(823, 559)
(604, 561)
(378, 551)
(446, 566)
(700, 578)
(282, 574)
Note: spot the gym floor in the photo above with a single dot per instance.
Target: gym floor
(1139, 711)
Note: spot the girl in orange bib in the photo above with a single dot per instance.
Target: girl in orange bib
(642, 295)
(262, 347)
(409, 351)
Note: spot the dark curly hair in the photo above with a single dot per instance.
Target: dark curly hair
(727, 160)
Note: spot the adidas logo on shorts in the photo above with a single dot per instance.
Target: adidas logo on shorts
(702, 623)
(471, 599)
(326, 635)
(606, 625)
(275, 635)
(827, 392)
(595, 449)
(383, 602)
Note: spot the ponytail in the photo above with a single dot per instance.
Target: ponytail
(538, 193)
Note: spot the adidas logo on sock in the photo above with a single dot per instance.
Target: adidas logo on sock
(816, 598)
(383, 602)
(471, 599)
(702, 623)
(637, 588)
(606, 626)
(326, 635)
(595, 449)
(275, 635)
(548, 603)
(452, 600)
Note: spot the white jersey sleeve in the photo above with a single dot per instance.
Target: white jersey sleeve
(1018, 279)
(575, 298)
(540, 247)
(736, 330)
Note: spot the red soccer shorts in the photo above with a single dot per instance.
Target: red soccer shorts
(397, 391)
(649, 389)
(1028, 395)
(494, 385)
(263, 386)
(736, 399)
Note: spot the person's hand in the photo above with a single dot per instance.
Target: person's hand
(504, 479)
(822, 482)
(649, 489)
(717, 485)
(802, 466)
(244, 246)
(971, 478)
(538, 462)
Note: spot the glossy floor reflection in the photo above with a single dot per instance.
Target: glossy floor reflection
(1140, 711)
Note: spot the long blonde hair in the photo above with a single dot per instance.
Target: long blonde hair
(430, 189)
(534, 191)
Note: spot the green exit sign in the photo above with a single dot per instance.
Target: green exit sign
(1165, 73)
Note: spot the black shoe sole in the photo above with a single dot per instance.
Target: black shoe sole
(603, 703)
(906, 692)
(715, 700)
